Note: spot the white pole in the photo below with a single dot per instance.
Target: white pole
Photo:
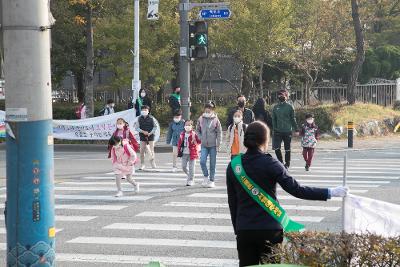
(136, 64)
(344, 184)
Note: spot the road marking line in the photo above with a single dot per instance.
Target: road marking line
(171, 227)
(153, 242)
(223, 205)
(350, 168)
(206, 215)
(157, 179)
(341, 181)
(103, 197)
(83, 207)
(62, 218)
(338, 176)
(113, 183)
(218, 195)
(145, 190)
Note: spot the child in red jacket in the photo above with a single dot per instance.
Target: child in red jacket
(124, 132)
(188, 150)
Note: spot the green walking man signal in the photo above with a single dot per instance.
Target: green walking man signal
(198, 39)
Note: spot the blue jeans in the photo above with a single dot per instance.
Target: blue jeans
(205, 151)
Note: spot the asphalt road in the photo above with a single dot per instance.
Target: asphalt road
(185, 226)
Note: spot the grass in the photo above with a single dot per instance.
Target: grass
(361, 113)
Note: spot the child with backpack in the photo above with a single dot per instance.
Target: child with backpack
(176, 127)
(108, 109)
(210, 132)
(235, 135)
(123, 159)
(80, 111)
(124, 132)
(188, 150)
(309, 136)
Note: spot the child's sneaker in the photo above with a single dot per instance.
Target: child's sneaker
(136, 187)
(142, 168)
(119, 194)
(307, 167)
(211, 185)
(189, 183)
(205, 182)
(174, 169)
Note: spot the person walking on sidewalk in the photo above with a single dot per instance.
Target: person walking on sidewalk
(258, 228)
(309, 135)
(176, 127)
(248, 115)
(235, 135)
(283, 123)
(142, 100)
(210, 131)
(188, 147)
(108, 109)
(174, 100)
(123, 159)
(146, 126)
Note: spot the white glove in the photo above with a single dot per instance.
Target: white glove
(340, 191)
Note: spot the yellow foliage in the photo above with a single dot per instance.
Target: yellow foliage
(79, 20)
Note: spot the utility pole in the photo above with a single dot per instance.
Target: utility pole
(29, 141)
(184, 59)
(136, 83)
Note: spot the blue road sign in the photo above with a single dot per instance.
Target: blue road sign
(215, 13)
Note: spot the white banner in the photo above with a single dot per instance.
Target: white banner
(98, 128)
(366, 215)
(152, 11)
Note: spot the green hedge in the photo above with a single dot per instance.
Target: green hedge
(339, 249)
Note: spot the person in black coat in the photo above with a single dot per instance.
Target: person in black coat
(256, 231)
(261, 113)
(142, 100)
(174, 100)
(248, 115)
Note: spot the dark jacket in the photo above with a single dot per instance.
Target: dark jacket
(146, 124)
(283, 119)
(174, 104)
(145, 101)
(248, 116)
(266, 172)
(264, 116)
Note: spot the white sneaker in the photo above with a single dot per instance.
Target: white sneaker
(205, 182)
(211, 185)
(119, 194)
(142, 168)
(136, 187)
(174, 169)
(153, 164)
(189, 183)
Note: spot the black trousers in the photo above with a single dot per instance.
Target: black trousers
(277, 143)
(255, 246)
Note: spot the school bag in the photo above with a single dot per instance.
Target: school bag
(103, 111)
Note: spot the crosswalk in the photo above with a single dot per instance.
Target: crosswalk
(184, 226)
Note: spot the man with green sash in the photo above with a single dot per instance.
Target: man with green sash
(175, 100)
(257, 217)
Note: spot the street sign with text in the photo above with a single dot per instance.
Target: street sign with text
(215, 13)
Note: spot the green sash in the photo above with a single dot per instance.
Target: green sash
(271, 206)
(177, 97)
(140, 102)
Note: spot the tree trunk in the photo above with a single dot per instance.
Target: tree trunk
(80, 86)
(89, 72)
(246, 82)
(360, 56)
(260, 79)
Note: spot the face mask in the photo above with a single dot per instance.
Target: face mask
(282, 98)
(310, 121)
(177, 120)
(120, 126)
(237, 119)
(143, 94)
(188, 128)
(144, 113)
(241, 104)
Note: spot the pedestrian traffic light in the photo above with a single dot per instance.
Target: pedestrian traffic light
(198, 39)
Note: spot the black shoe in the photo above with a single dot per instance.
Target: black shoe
(307, 167)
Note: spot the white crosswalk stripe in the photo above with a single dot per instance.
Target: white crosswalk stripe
(197, 218)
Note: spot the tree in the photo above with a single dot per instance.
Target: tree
(360, 55)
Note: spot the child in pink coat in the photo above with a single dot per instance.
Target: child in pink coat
(123, 159)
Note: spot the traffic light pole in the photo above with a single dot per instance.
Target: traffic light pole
(136, 84)
(184, 59)
(29, 140)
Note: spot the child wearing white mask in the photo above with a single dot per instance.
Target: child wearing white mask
(125, 133)
(146, 126)
(309, 137)
(123, 159)
(235, 135)
(188, 150)
(176, 127)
